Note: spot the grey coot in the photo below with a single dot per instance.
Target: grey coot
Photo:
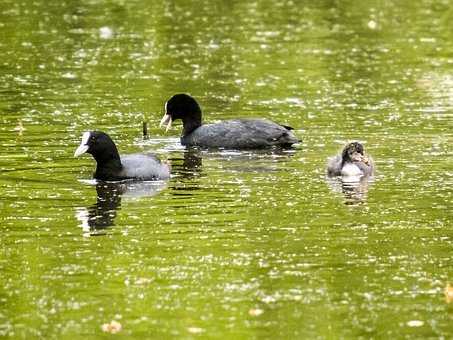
(352, 162)
(113, 167)
(243, 133)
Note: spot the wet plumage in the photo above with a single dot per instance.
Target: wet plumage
(245, 133)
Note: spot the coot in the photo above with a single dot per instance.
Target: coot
(111, 167)
(243, 133)
(352, 162)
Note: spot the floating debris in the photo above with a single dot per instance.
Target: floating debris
(449, 293)
(112, 327)
(256, 312)
(415, 323)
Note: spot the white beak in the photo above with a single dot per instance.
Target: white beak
(83, 147)
(81, 150)
(166, 120)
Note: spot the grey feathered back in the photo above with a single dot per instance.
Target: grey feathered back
(143, 166)
(241, 134)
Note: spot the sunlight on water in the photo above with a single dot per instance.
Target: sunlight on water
(236, 244)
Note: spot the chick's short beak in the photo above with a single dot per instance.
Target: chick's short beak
(166, 121)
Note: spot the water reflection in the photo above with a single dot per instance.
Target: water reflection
(354, 190)
(101, 215)
(192, 164)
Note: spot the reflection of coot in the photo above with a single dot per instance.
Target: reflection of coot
(102, 214)
(109, 195)
(192, 163)
(187, 169)
(355, 192)
(189, 166)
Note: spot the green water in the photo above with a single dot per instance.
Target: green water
(237, 245)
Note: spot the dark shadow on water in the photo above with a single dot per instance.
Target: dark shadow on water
(187, 166)
(101, 215)
(186, 169)
(354, 190)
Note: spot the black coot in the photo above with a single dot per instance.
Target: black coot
(111, 167)
(352, 162)
(230, 134)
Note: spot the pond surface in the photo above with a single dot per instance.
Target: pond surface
(241, 245)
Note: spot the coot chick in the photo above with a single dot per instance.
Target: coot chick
(243, 133)
(352, 162)
(111, 167)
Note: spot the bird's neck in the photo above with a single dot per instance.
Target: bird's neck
(107, 164)
(191, 124)
(345, 160)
